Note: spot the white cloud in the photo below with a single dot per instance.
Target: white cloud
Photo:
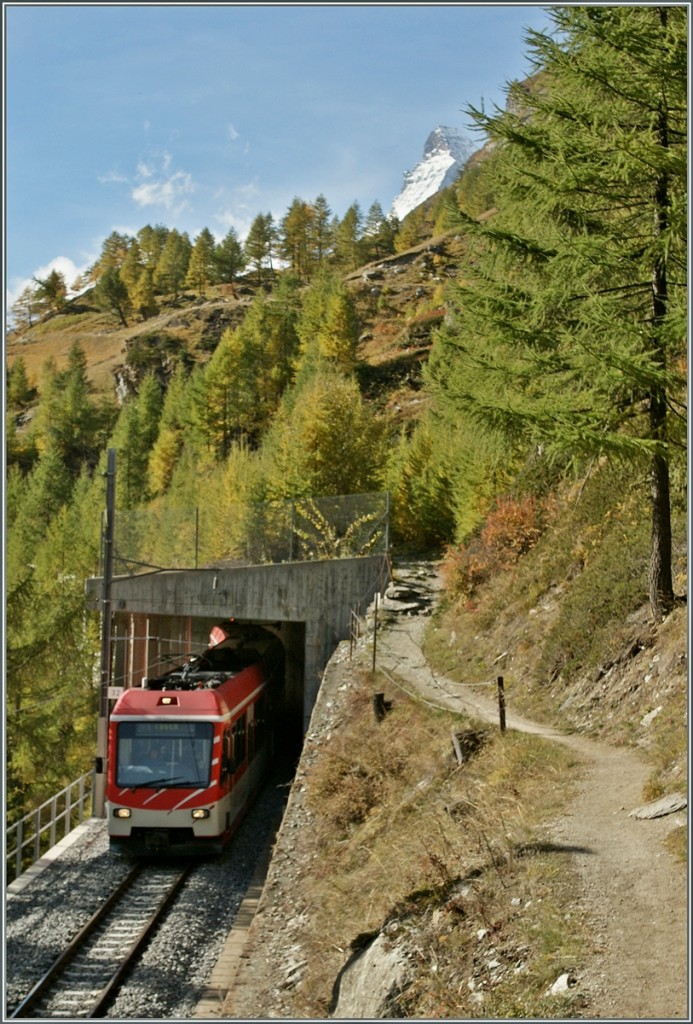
(154, 185)
(166, 192)
(232, 133)
(237, 207)
(144, 170)
(111, 176)
(234, 219)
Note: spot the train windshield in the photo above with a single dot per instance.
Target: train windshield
(164, 754)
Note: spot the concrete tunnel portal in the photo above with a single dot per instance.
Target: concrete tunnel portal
(158, 618)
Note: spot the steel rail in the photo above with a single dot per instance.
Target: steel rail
(95, 1004)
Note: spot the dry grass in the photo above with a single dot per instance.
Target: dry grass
(103, 344)
(444, 853)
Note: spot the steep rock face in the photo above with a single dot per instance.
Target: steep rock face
(445, 154)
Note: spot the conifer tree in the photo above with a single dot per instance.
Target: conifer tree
(379, 234)
(69, 419)
(570, 333)
(151, 241)
(321, 234)
(260, 244)
(26, 308)
(51, 291)
(169, 442)
(134, 437)
(48, 488)
(202, 267)
(347, 236)
(422, 489)
(227, 406)
(143, 295)
(281, 337)
(173, 263)
(112, 256)
(270, 330)
(338, 332)
(19, 390)
(327, 326)
(326, 443)
(111, 294)
(131, 267)
(20, 447)
(228, 257)
(295, 237)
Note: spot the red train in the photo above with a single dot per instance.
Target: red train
(189, 749)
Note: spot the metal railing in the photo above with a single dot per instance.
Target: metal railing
(357, 621)
(304, 529)
(30, 837)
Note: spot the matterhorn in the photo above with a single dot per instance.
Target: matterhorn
(445, 154)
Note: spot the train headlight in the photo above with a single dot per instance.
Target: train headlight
(200, 812)
(122, 812)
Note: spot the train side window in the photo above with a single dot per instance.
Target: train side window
(239, 733)
(226, 754)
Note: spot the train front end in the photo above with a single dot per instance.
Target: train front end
(165, 784)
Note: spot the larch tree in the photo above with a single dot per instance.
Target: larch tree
(111, 294)
(172, 425)
(132, 266)
(379, 233)
(202, 268)
(172, 266)
(569, 335)
(51, 291)
(347, 236)
(113, 253)
(227, 409)
(228, 257)
(26, 308)
(270, 329)
(338, 332)
(327, 443)
(294, 238)
(19, 389)
(321, 232)
(260, 244)
(143, 294)
(70, 419)
(151, 241)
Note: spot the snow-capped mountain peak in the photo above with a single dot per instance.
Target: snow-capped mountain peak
(445, 153)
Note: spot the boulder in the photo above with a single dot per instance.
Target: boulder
(370, 982)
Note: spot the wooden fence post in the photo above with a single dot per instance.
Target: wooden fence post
(375, 629)
(501, 703)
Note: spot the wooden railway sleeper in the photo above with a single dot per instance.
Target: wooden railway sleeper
(103, 992)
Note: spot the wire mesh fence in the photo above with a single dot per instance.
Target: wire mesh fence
(346, 526)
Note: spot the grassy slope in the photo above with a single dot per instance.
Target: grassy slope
(454, 863)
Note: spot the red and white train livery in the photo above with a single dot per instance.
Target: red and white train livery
(189, 749)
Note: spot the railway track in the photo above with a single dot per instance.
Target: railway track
(87, 975)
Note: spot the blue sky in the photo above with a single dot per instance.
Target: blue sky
(204, 115)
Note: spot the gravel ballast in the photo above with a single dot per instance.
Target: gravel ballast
(43, 915)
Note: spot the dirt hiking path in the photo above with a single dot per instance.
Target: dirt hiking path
(633, 891)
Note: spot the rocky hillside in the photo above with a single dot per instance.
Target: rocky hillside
(399, 301)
